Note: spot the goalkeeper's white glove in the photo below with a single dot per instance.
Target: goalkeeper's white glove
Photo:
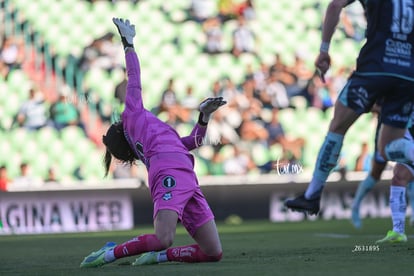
(208, 106)
(126, 30)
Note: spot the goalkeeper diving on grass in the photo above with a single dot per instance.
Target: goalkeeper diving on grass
(173, 184)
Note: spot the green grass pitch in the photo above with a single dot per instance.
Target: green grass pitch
(251, 248)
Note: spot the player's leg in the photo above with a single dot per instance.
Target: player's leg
(395, 144)
(327, 159)
(410, 185)
(199, 222)
(365, 186)
(171, 192)
(207, 249)
(402, 175)
(198, 219)
(328, 155)
(348, 108)
(410, 191)
(207, 238)
(165, 216)
(378, 166)
(170, 177)
(165, 226)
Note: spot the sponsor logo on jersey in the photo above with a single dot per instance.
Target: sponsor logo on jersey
(167, 196)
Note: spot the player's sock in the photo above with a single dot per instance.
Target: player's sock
(162, 256)
(410, 191)
(363, 188)
(326, 161)
(190, 254)
(138, 245)
(398, 206)
(400, 150)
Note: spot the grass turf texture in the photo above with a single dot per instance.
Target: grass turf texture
(252, 248)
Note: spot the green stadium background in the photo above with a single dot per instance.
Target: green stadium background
(55, 32)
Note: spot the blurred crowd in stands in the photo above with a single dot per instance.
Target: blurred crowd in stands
(212, 16)
(35, 113)
(250, 118)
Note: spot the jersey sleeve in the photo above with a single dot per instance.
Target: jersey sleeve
(133, 99)
(196, 137)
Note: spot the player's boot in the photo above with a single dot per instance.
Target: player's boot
(355, 219)
(126, 30)
(393, 237)
(96, 259)
(148, 258)
(301, 204)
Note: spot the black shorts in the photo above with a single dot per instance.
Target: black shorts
(397, 95)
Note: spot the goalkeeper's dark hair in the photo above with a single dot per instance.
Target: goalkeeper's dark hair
(117, 145)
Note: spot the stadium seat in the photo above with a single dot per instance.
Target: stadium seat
(6, 149)
(72, 134)
(313, 141)
(205, 152)
(260, 154)
(287, 118)
(226, 151)
(167, 53)
(313, 19)
(42, 23)
(67, 162)
(19, 83)
(4, 118)
(92, 167)
(19, 136)
(13, 164)
(190, 32)
(101, 8)
(174, 5)
(299, 102)
(46, 134)
(30, 150)
(184, 129)
(116, 75)
(30, 9)
(312, 116)
(200, 167)
(95, 79)
(41, 164)
(53, 148)
(82, 149)
(124, 9)
(275, 152)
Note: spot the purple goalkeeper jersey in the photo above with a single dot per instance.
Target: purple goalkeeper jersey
(146, 134)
